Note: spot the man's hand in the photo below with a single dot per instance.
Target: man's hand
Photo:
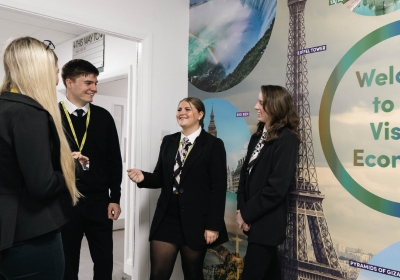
(114, 210)
(210, 236)
(81, 158)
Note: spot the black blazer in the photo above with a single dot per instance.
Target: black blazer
(263, 195)
(202, 189)
(32, 187)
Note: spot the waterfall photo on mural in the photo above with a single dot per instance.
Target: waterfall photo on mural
(227, 38)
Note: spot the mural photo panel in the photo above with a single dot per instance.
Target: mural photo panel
(226, 40)
(369, 7)
(226, 261)
(343, 74)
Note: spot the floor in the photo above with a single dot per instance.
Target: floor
(86, 265)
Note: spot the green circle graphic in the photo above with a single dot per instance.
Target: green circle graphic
(371, 200)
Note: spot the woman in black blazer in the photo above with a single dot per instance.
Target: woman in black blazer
(265, 178)
(36, 168)
(193, 181)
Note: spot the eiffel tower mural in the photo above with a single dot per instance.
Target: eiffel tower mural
(305, 198)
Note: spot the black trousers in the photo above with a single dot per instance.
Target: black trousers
(38, 259)
(261, 263)
(89, 218)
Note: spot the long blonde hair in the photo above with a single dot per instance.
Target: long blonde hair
(30, 70)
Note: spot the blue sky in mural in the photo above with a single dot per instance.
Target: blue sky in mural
(388, 258)
(221, 33)
(232, 130)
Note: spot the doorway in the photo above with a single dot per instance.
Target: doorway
(112, 96)
(122, 68)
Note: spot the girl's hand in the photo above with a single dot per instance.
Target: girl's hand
(135, 175)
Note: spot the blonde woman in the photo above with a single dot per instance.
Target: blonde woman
(36, 168)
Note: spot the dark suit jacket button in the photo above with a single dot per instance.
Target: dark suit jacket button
(181, 190)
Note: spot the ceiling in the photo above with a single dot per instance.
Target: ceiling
(15, 25)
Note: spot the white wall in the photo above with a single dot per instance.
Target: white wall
(164, 26)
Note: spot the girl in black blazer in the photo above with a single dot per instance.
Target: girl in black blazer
(36, 167)
(265, 179)
(193, 181)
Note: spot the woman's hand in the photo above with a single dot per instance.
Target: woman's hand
(135, 175)
(210, 236)
(81, 158)
(246, 227)
(240, 221)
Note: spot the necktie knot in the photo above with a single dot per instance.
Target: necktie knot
(185, 143)
(79, 112)
(263, 136)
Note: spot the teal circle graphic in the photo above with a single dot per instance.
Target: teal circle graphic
(371, 200)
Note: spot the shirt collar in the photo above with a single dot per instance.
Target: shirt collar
(72, 107)
(192, 137)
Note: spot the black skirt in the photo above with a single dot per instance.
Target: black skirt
(170, 228)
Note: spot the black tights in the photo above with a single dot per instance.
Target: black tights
(163, 256)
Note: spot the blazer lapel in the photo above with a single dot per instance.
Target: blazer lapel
(260, 154)
(194, 153)
(253, 144)
(171, 155)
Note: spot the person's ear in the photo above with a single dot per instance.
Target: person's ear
(68, 82)
(201, 114)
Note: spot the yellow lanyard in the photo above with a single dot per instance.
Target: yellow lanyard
(72, 126)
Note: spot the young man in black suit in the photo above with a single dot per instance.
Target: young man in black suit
(91, 130)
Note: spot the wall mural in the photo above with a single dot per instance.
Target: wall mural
(342, 71)
(226, 40)
(226, 261)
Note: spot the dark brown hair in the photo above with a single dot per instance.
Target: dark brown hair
(279, 103)
(199, 105)
(76, 68)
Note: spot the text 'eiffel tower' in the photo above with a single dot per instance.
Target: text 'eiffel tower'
(305, 199)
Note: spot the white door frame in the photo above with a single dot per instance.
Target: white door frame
(130, 73)
(136, 248)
